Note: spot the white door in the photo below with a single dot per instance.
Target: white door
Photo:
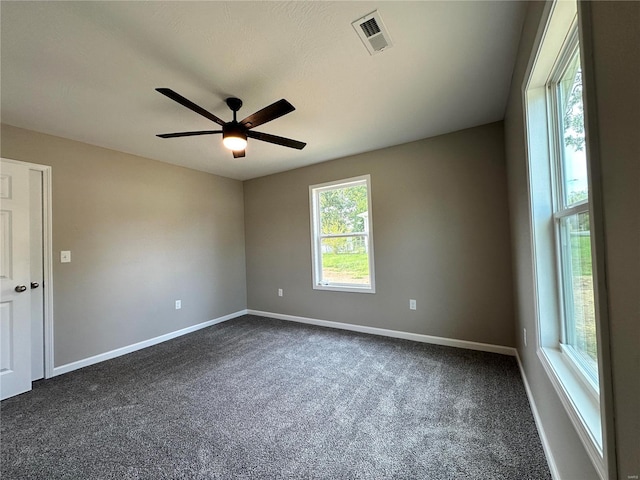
(15, 301)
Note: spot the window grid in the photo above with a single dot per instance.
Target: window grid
(564, 212)
(318, 236)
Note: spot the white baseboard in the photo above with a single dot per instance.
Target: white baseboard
(485, 347)
(416, 337)
(536, 416)
(69, 367)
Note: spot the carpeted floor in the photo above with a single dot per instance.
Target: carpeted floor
(263, 398)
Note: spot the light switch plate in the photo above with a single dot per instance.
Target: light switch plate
(65, 256)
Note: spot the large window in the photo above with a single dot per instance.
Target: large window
(560, 191)
(571, 213)
(341, 235)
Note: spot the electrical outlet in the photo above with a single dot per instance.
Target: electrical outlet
(178, 304)
(524, 336)
(280, 293)
(412, 304)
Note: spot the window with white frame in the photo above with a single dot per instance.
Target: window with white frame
(342, 235)
(561, 214)
(571, 213)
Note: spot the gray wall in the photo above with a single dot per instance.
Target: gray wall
(142, 234)
(441, 236)
(615, 55)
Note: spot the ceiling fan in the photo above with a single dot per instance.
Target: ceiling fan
(234, 133)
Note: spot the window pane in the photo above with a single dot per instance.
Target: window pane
(342, 236)
(574, 158)
(345, 260)
(344, 210)
(578, 288)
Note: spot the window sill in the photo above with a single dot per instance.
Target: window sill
(579, 402)
(571, 358)
(350, 288)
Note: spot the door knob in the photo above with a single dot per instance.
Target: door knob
(35, 284)
(21, 288)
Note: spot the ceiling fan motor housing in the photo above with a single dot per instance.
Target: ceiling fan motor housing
(234, 136)
(234, 129)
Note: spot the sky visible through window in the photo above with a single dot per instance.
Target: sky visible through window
(575, 229)
(575, 157)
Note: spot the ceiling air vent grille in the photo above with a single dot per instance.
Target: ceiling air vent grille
(373, 33)
(370, 27)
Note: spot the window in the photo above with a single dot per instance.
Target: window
(342, 235)
(571, 214)
(561, 221)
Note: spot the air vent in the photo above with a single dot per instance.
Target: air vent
(373, 33)
(370, 27)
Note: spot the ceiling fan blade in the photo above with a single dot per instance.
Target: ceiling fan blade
(238, 154)
(285, 142)
(176, 97)
(273, 111)
(188, 134)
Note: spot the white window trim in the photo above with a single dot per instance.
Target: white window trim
(578, 400)
(591, 417)
(561, 210)
(572, 358)
(316, 249)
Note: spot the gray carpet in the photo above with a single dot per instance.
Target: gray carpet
(263, 398)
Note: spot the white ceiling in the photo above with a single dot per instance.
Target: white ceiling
(87, 71)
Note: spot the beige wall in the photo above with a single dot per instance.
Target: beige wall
(615, 54)
(441, 236)
(142, 234)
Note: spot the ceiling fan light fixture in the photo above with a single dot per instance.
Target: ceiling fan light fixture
(234, 138)
(235, 143)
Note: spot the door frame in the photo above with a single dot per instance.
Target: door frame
(47, 260)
